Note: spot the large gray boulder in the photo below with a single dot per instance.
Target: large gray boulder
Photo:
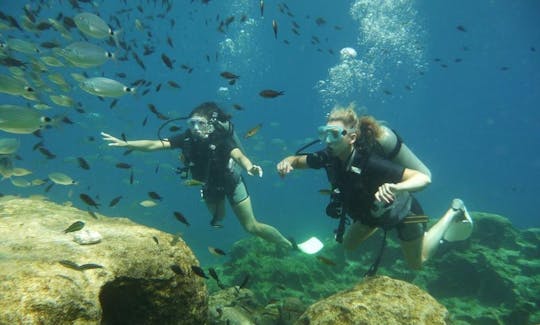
(134, 275)
(377, 300)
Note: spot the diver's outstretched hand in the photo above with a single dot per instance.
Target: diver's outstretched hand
(113, 141)
(256, 171)
(284, 167)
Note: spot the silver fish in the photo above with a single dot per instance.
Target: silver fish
(105, 87)
(93, 26)
(85, 55)
(21, 120)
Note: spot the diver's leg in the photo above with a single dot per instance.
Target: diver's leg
(244, 212)
(433, 237)
(355, 235)
(217, 211)
(412, 252)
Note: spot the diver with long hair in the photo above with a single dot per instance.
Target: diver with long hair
(372, 174)
(213, 158)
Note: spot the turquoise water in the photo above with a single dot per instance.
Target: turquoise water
(458, 80)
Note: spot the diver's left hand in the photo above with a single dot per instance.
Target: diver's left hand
(386, 192)
(255, 171)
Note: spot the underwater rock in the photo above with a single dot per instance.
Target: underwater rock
(47, 278)
(377, 300)
(239, 306)
(87, 237)
(232, 306)
(491, 278)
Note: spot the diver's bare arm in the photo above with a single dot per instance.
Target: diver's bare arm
(244, 161)
(288, 164)
(241, 159)
(140, 145)
(405, 156)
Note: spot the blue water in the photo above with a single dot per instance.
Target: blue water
(474, 122)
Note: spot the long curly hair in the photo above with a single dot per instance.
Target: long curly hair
(367, 128)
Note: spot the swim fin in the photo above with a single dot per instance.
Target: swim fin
(462, 228)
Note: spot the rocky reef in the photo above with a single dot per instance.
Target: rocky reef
(491, 278)
(377, 300)
(131, 275)
(61, 265)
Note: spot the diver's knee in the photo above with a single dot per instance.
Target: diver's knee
(251, 228)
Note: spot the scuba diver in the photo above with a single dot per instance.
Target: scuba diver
(372, 174)
(212, 155)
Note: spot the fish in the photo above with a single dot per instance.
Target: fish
(123, 165)
(229, 75)
(83, 163)
(269, 93)
(214, 276)
(173, 84)
(22, 46)
(325, 191)
(105, 87)
(62, 100)
(193, 182)
(21, 120)
(115, 201)
(77, 225)
(320, 21)
(275, 28)
(187, 68)
(48, 188)
(85, 54)
(199, 271)
(138, 60)
(92, 214)
(90, 266)
(155, 196)
(20, 182)
(216, 251)
(148, 203)
(61, 179)
(326, 260)
(88, 200)
(461, 28)
(156, 240)
(238, 107)
(113, 103)
(254, 130)
(131, 177)
(69, 264)
(93, 26)
(180, 217)
(9, 145)
(44, 151)
(168, 62)
(261, 7)
(176, 269)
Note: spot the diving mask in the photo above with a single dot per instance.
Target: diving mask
(200, 125)
(332, 133)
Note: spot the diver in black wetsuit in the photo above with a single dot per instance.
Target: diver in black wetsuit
(373, 190)
(213, 157)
